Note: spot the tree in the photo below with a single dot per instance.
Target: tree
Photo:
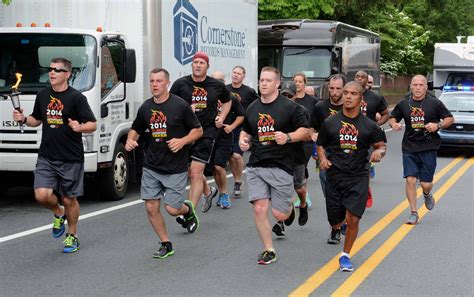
(6, 2)
(294, 9)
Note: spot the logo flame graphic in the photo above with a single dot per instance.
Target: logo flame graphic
(55, 104)
(265, 120)
(201, 92)
(417, 112)
(348, 129)
(157, 117)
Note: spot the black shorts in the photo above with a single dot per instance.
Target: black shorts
(220, 156)
(308, 152)
(201, 150)
(235, 145)
(346, 193)
(65, 177)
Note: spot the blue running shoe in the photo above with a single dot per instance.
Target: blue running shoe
(372, 170)
(225, 201)
(308, 200)
(343, 229)
(297, 202)
(345, 264)
(219, 200)
(71, 244)
(58, 226)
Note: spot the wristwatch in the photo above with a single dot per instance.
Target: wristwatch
(439, 126)
(288, 137)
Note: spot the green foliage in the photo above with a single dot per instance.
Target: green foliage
(294, 9)
(6, 2)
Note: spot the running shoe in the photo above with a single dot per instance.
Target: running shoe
(58, 226)
(291, 218)
(165, 250)
(308, 200)
(345, 264)
(71, 244)
(225, 201)
(192, 221)
(372, 170)
(297, 203)
(237, 189)
(429, 201)
(335, 236)
(181, 221)
(370, 201)
(343, 228)
(413, 218)
(279, 229)
(303, 218)
(206, 201)
(266, 257)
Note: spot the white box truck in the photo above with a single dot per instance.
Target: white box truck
(453, 66)
(113, 44)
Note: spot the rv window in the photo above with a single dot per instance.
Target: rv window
(314, 62)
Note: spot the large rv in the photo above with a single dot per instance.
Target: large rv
(318, 49)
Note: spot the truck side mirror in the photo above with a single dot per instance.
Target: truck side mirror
(430, 85)
(130, 66)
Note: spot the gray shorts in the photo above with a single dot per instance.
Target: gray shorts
(299, 177)
(270, 183)
(168, 187)
(65, 177)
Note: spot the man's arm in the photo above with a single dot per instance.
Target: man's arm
(238, 121)
(177, 144)
(244, 140)
(324, 162)
(30, 121)
(384, 116)
(132, 138)
(225, 109)
(380, 149)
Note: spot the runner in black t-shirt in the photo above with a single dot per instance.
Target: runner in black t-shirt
(424, 115)
(308, 102)
(372, 104)
(325, 109)
(222, 150)
(65, 115)
(348, 136)
(202, 93)
(271, 123)
(172, 127)
(245, 95)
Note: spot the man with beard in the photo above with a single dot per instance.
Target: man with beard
(348, 136)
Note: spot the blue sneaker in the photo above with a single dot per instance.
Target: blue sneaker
(343, 229)
(308, 200)
(225, 201)
(219, 200)
(372, 170)
(58, 226)
(71, 244)
(297, 202)
(345, 264)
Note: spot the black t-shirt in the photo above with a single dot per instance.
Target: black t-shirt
(262, 120)
(416, 114)
(236, 110)
(244, 94)
(173, 118)
(308, 102)
(372, 103)
(59, 142)
(204, 97)
(298, 147)
(321, 111)
(349, 141)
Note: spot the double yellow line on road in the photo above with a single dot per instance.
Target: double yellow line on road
(318, 278)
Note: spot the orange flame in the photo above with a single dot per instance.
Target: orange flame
(55, 104)
(18, 80)
(157, 117)
(348, 129)
(417, 112)
(199, 92)
(265, 120)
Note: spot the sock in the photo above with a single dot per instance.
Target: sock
(345, 254)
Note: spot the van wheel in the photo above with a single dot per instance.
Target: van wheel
(114, 180)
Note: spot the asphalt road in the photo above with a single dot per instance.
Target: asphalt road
(434, 258)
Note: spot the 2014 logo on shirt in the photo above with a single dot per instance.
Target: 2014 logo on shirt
(332, 111)
(158, 125)
(265, 129)
(363, 106)
(54, 112)
(417, 117)
(199, 98)
(348, 137)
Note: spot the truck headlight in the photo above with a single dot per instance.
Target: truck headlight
(87, 143)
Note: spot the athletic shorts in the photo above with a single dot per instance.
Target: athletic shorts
(170, 188)
(299, 177)
(421, 165)
(235, 144)
(346, 193)
(65, 177)
(201, 150)
(308, 152)
(222, 153)
(270, 183)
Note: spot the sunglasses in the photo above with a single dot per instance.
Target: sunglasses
(57, 70)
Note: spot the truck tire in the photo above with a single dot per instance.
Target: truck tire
(114, 180)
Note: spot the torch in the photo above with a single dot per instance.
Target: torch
(15, 96)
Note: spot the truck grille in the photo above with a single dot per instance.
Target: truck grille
(461, 127)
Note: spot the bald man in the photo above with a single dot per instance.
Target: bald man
(424, 116)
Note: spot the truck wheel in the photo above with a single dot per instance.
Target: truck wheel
(114, 181)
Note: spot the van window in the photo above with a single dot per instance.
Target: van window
(314, 62)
